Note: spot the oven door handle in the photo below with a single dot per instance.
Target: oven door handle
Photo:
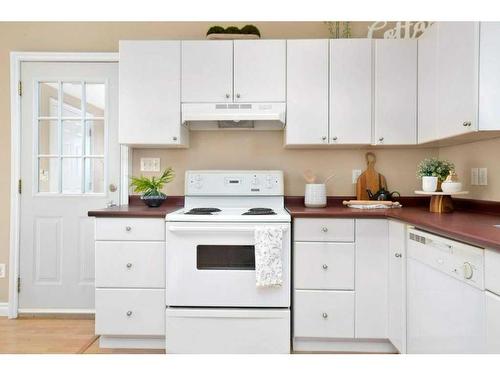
(214, 229)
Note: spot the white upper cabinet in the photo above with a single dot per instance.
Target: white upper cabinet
(259, 70)
(489, 76)
(150, 93)
(458, 49)
(427, 85)
(307, 92)
(207, 71)
(395, 92)
(350, 91)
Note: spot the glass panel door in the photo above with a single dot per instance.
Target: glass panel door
(225, 257)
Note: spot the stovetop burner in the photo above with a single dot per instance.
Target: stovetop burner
(202, 211)
(260, 211)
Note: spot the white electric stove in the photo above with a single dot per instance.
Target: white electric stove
(213, 303)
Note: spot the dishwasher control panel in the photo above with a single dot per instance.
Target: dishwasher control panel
(456, 259)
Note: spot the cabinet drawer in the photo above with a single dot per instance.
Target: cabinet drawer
(130, 312)
(129, 264)
(132, 229)
(330, 230)
(325, 314)
(491, 270)
(323, 265)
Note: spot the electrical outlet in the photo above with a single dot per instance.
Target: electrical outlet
(483, 176)
(2, 270)
(150, 164)
(355, 175)
(474, 176)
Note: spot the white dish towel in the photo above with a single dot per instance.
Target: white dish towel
(268, 248)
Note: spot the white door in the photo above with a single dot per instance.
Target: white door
(395, 92)
(492, 302)
(458, 50)
(207, 71)
(428, 99)
(307, 92)
(259, 70)
(350, 91)
(397, 286)
(70, 161)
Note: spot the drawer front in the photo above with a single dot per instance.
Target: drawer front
(129, 264)
(130, 312)
(328, 230)
(324, 265)
(492, 270)
(133, 229)
(324, 314)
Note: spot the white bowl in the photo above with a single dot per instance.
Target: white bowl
(451, 187)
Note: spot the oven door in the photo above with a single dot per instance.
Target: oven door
(213, 264)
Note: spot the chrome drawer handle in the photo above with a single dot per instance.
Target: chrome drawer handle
(325, 266)
(129, 265)
(128, 228)
(324, 229)
(398, 255)
(129, 313)
(325, 315)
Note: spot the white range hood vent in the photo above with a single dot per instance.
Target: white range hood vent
(212, 116)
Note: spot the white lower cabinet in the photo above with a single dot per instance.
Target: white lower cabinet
(492, 323)
(130, 282)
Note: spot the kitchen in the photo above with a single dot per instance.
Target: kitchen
(250, 123)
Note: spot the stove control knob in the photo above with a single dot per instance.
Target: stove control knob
(468, 270)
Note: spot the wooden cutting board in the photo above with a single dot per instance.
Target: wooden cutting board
(369, 179)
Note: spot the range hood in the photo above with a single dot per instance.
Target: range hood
(211, 116)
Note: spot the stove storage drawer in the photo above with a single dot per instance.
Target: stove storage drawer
(324, 265)
(129, 264)
(324, 230)
(130, 312)
(323, 314)
(129, 229)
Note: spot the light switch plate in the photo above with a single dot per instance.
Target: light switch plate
(483, 176)
(150, 164)
(474, 176)
(2, 270)
(355, 175)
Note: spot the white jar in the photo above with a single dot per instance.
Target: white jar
(429, 183)
(451, 187)
(315, 195)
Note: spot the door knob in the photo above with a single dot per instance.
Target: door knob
(325, 315)
(129, 265)
(227, 96)
(238, 95)
(128, 228)
(381, 139)
(334, 138)
(129, 313)
(325, 266)
(397, 255)
(323, 138)
(174, 139)
(324, 229)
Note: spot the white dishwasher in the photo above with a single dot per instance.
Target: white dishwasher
(445, 306)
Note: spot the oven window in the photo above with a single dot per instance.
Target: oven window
(225, 257)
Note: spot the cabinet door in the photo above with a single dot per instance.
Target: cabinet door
(492, 323)
(395, 91)
(207, 71)
(259, 70)
(371, 278)
(150, 111)
(350, 91)
(427, 85)
(489, 76)
(397, 286)
(307, 92)
(458, 46)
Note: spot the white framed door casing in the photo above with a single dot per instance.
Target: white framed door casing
(307, 92)
(56, 251)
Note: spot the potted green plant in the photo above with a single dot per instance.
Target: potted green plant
(233, 32)
(150, 188)
(433, 172)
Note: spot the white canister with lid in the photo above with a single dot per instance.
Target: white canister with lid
(315, 195)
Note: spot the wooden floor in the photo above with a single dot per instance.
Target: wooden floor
(54, 336)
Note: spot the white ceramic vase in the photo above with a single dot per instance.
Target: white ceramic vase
(429, 183)
(315, 195)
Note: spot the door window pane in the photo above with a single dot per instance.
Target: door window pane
(94, 142)
(72, 137)
(225, 257)
(72, 99)
(48, 99)
(48, 175)
(48, 140)
(71, 175)
(95, 97)
(94, 175)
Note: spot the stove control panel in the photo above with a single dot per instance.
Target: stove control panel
(242, 183)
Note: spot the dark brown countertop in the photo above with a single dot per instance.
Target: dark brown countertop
(136, 208)
(467, 226)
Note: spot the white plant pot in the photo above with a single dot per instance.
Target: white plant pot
(315, 195)
(429, 183)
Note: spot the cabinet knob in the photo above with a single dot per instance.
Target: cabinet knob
(129, 265)
(325, 315)
(323, 138)
(227, 96)
(129, 313)
(238, 95)
(174, 138)
(397, 255)
(381, 139)
(324, 229)
(467, 123)
(128, 228)
(334, 138)
(325, 266)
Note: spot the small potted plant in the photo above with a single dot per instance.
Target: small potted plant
(150, 188)
(233, 32)
(433, 172)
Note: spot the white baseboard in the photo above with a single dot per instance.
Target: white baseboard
(4, 309)
(342, 346)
